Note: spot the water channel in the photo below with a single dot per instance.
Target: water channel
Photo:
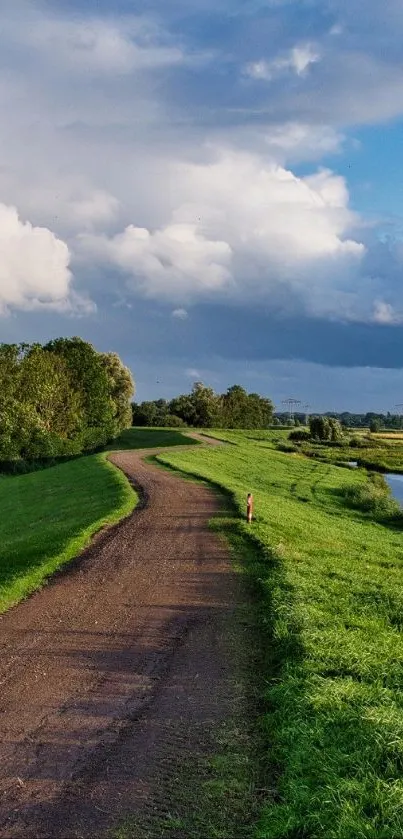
(394, 481)
(396, 484)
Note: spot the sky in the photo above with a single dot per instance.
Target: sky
(213, 189)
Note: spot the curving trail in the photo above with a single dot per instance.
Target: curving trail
(118, 669)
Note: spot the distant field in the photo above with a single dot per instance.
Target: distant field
(389, 435)
(329, 604)
(47, 517)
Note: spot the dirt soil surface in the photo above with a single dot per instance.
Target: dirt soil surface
(118, 669)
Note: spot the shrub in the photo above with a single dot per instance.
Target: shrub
(325, 428)
(373, 498)
(172, 421)
(300, 435)
(288, 448)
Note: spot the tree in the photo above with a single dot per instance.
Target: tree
(184, 408)
(151, 413)
(325, 428)
(90, 381)
(243, 410)
(121, 389)
(203, 408)
(235, 408)
(46, 386)
(374, 426)
(319, 428)
(336, 430)
(207, 406)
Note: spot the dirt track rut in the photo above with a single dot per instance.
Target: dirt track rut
(118, 668)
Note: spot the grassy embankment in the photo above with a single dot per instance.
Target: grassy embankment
(328, 592)
(48, 517)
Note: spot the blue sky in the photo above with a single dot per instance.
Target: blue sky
(212, 189)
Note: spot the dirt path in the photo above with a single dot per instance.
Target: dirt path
(118, 668)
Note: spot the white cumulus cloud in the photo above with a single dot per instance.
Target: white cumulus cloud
(174, 262)
(34, 266)
(297, 60)
(243, 228)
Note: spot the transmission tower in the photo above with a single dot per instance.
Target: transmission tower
(291, 405)
(306, 408)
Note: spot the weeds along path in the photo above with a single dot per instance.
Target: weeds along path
(118, 670)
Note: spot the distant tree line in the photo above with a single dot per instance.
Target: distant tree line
(367, 420)
(63, 398)
(203, 408)
(347, 419)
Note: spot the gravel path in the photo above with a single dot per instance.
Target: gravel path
(118, 669)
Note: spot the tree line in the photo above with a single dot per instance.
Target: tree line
(368, 420)
(203, 408)
(347, 419)
(63, 398)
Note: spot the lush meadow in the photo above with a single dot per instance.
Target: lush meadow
(49, 516)
(328, 595)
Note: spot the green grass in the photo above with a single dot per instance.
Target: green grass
(146, 438)
(49, 516)
(328, 594)
(372, 453)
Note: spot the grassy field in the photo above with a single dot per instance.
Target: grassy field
(382, 455)
(380, 452)
(328, 591)
(49, 516)
(389, 435)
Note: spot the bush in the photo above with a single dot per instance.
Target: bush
(172, 421)
(300, 435)
(373, 498)
(94, 438)
(288, 448)
(365, 443)
(358, 443)
(325, 428)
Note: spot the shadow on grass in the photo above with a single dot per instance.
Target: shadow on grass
(149, 438)
(131, 438)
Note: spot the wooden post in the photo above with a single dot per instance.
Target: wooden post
(249, 507)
